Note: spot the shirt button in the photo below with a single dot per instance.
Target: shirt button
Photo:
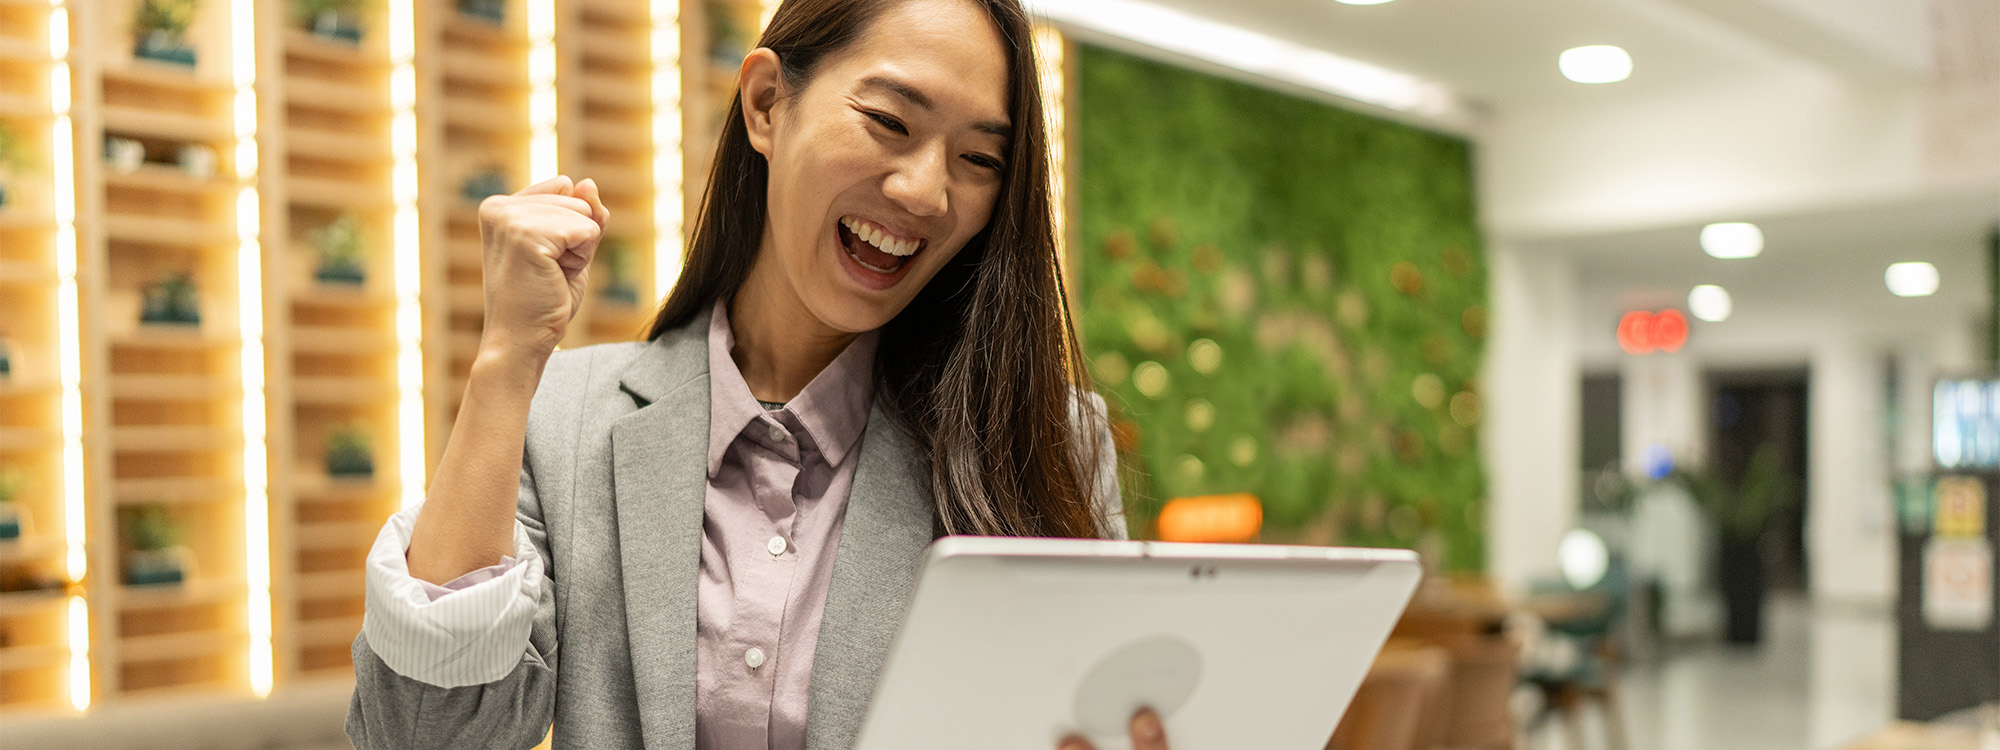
(779, 434)
(776, 546)
(754, 657)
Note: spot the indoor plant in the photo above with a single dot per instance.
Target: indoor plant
(1742, 515)
(338, 245)
(173, 300)
(348, 454)
(154, 551)
(13, 518)
(487, 182)
(619, 286)
(491, 11)
(13, 159)
(339, 20)
(161, 29)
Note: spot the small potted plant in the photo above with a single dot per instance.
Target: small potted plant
(161, 28)
(123, 155)
(338, 245)
(13, 159)
(348, 454)
(173, 300)
(490, 11)
(489, 181)
(727, 40)
(155, 554)
(337, 20)
(619, 286)
(6, 357)
(13, 517)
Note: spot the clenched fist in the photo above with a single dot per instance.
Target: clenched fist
(537, 246)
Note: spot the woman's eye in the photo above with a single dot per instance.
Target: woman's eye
(985, 161)
(888, 122)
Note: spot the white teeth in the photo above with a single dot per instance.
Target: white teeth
(874, 235)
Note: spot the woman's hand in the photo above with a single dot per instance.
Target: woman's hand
(1147, 734)
(538, 244)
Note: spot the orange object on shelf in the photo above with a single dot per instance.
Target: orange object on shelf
(1234, 517)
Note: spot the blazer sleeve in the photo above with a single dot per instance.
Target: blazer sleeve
(475, 667)
(1090, 414)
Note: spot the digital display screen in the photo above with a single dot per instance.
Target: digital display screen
(1965, 424)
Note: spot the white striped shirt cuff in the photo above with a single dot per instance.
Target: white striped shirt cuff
(473, 633)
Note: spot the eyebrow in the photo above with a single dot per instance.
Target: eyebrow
(919, 98)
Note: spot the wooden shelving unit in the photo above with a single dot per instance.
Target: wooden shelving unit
(34, 647)
(331, 292)
(715, 35)
(605, 133)
(473, 110)
(163, 401)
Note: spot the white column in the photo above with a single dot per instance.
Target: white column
(1849, 532)
(1529, 435)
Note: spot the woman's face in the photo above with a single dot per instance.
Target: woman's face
(885, 165)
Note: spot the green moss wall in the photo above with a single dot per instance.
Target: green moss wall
(1285, 298)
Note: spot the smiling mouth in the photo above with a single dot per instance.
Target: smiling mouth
(874, 248)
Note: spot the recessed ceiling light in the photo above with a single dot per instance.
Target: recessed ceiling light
(1597, 63)
(1362, 2)
(1710, 303)
(1732, 240)
(1912, 279)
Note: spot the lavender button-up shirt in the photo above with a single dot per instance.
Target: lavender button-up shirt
(777, 489)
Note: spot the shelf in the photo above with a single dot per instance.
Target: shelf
(15, 49)
(29, 548)
(24, 107)
(308, 46)
(465, 252)
(331, 584)
(22, 273)
(481, 32)
(624, 182)
(166, 178)
(335, 146)
(340, 391)
(466, 300)
(620, 137)
(25, 603)
(21, 439)
(351, 341)
(617, 91)
(193, 593)
(150, 490)
(20, 218)
(322, 94)
(174, 646)
(171, 338)
(319, 488)
(479, 68)
(179, 78)
(329, 632)
(342, 535)
(166, 231)
(618, 13)
(166, 439)
(171, 388)
(336, 194)
(485, 117)
(173, 126)
(340, 296)
(615, 46)
(19, 385)
(464, 348)
(41, 656)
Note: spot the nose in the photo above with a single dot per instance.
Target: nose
(919, 183)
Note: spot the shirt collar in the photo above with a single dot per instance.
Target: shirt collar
(833, 408)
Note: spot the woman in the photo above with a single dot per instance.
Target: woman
(714, 533)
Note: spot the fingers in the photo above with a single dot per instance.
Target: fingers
(1147, 731)
(557, 185)
(587, 191)
(1074, 742)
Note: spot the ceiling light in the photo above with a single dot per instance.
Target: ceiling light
(1235, 47)
(1709, 303)
(1597, 63)
(1362, 2)
(1912, 279)
(1732, 240)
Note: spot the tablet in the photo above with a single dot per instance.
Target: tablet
(1015, 643)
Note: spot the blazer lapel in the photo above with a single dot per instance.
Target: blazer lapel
(881, 551)
(660, 477)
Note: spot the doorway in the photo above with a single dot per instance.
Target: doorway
(1766, 410)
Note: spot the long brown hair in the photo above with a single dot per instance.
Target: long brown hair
(983, 368)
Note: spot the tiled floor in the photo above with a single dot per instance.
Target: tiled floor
(1823, 677)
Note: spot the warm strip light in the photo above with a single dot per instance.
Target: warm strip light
(62, 158)
(541, 89)
(1262, 55)
(1049, 57)
(669, 207)
(405, 233)
(250, 319)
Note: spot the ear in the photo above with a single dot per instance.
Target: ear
(759, 80)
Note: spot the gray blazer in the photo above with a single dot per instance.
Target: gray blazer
(612, 483)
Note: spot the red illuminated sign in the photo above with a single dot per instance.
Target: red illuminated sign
(1641, 332)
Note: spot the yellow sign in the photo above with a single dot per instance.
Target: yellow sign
(1961, 508)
